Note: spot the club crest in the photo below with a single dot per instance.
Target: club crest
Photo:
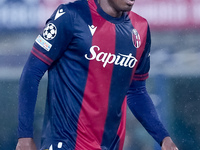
(136, 38)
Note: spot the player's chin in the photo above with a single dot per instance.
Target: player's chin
(127, 8)
(129, 4)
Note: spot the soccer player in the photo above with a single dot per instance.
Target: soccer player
(97, 54)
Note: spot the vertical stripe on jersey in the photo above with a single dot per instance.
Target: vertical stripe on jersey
(95, 100)
(141, 26)
(124, 45)
(122, 127)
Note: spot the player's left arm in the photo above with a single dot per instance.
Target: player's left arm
(141, 104)
(144, 110)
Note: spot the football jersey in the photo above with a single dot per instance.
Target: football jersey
(92, 58)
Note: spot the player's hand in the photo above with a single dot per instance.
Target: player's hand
(26, 144)
(168, 144)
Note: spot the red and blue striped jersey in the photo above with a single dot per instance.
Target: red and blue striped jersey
(92, 58)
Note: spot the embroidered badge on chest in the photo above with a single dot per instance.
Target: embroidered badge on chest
(136, 38)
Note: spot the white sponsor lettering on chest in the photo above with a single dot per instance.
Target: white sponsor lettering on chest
(108, 58)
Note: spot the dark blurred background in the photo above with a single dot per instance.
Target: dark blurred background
(174, 82)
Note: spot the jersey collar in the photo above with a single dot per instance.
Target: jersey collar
(108, 17)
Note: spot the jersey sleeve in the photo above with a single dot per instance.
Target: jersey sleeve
(142, 70)
(32, 73)
(52, 42)
(141, 105)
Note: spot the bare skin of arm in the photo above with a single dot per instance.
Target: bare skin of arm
(26, 144)
(168, 144)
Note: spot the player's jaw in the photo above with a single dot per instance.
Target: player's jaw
(129, 4)
(116, 7)
(122, 5)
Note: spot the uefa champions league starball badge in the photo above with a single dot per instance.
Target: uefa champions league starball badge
(50, 31)
(136, 38)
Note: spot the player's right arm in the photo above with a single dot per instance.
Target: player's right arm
(29, 81)
(46, 49)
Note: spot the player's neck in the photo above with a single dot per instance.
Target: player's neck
(107, 8)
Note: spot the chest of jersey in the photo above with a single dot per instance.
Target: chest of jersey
(104, 42)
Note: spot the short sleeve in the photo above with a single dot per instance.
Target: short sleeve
(142, 70)
(54, 39)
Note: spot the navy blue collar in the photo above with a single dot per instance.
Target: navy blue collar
(109, 18)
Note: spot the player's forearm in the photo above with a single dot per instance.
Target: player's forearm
(28, 88)
(27, 100)
(142, 107)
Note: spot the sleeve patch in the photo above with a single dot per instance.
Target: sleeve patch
(50, 31)
(43, 43)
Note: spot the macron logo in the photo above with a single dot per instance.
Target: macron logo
(92, 29)
(59, 13)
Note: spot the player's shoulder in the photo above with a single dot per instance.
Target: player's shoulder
(137, 18)
(73, 6)
(67, 11)
(71, 9)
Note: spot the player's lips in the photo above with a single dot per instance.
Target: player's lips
(130, 2)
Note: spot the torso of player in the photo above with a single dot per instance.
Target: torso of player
(104, 46)
(88, 83)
